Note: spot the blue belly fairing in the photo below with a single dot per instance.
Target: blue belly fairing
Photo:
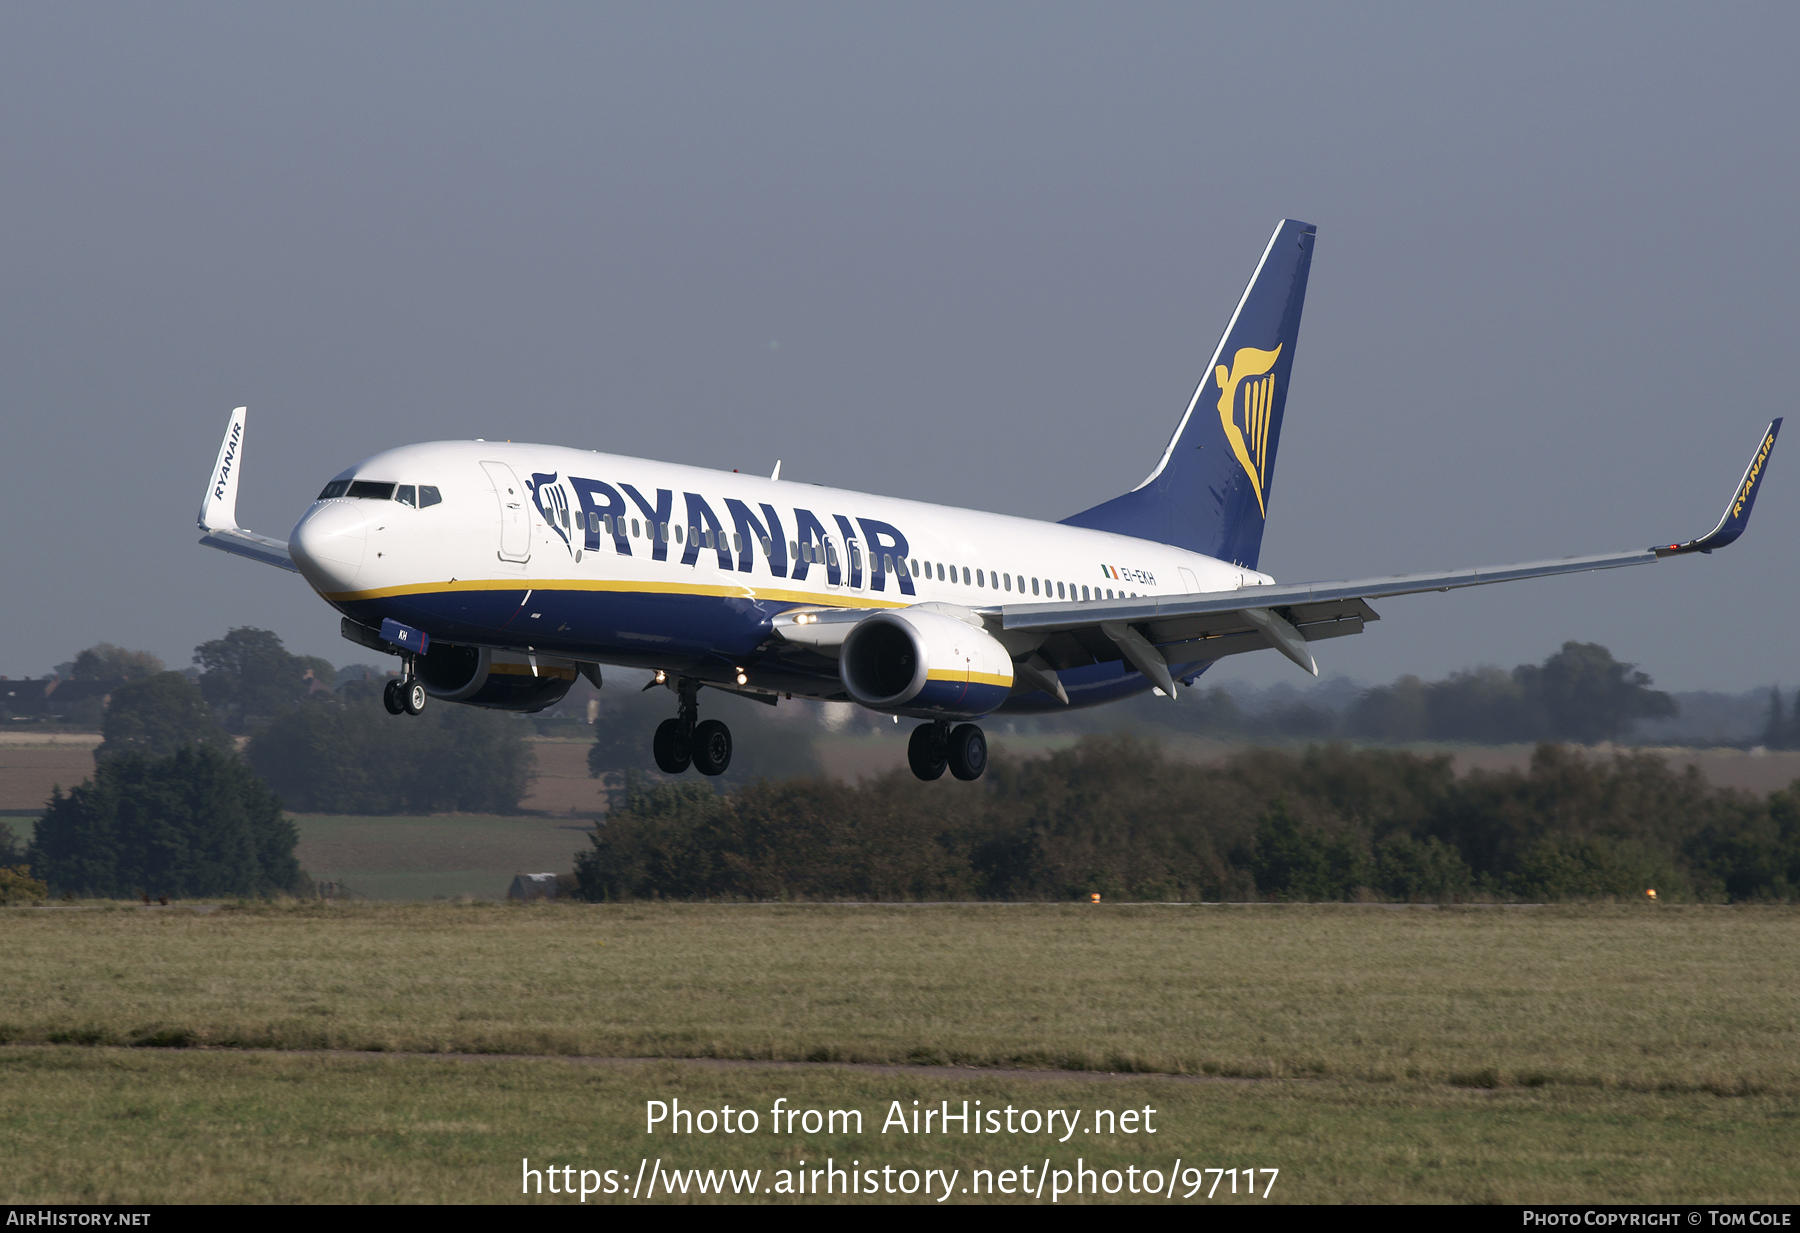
(1093, 685)
(706, 636)
(625, 627)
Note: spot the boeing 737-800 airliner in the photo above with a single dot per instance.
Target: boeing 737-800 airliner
(498, 572)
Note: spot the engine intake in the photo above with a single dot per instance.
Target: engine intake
(926, 664)
(497, 680)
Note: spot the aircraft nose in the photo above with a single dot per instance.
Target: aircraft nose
(329, 543)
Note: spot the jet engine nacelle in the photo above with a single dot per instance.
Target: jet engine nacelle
(915, 662)
(498, 680)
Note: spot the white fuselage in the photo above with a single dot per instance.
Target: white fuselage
(607, 547)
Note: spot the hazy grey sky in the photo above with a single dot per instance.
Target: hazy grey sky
(975, 254)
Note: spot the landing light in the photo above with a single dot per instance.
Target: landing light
(741, 678)
(661, 677)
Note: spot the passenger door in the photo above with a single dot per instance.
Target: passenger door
(515, 517)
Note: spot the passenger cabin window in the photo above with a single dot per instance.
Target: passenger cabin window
(429, 495)
(335, 489)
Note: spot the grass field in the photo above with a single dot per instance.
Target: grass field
(1640, 997)
(1630, 1053)
(137, 1126)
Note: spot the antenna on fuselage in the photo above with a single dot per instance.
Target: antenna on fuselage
(776, 473)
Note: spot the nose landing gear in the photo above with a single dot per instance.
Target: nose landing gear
(936, 745)
(687, 741)
(406, 695)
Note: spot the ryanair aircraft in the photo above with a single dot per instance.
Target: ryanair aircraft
(497, 572)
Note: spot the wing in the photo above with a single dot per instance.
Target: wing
(1167, 635)
(218, 508)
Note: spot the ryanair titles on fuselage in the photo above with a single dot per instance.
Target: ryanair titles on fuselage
(827, 540)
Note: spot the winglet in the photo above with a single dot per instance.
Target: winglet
(218, 509)
(1737, 513)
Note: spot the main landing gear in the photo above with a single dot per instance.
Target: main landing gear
(687, 740)
(406, 694)
(937, 745)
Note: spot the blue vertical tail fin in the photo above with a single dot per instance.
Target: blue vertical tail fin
(1210, 491)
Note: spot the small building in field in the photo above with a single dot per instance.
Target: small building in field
(529, 886)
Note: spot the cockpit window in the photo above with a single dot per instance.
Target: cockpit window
(406, 494)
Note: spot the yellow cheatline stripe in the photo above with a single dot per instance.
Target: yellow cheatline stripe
(832, 600)
(561, 674)
(973, 678)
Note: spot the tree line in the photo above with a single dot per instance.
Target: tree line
(1114, 816)
(322, 747)
(175, 809)
(1581, 694)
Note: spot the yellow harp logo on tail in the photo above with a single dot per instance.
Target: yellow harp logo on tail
(1250, 369)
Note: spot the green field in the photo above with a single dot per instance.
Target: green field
(1623, 1053)
(137, 1126)
(444, 857)
(408, 859)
